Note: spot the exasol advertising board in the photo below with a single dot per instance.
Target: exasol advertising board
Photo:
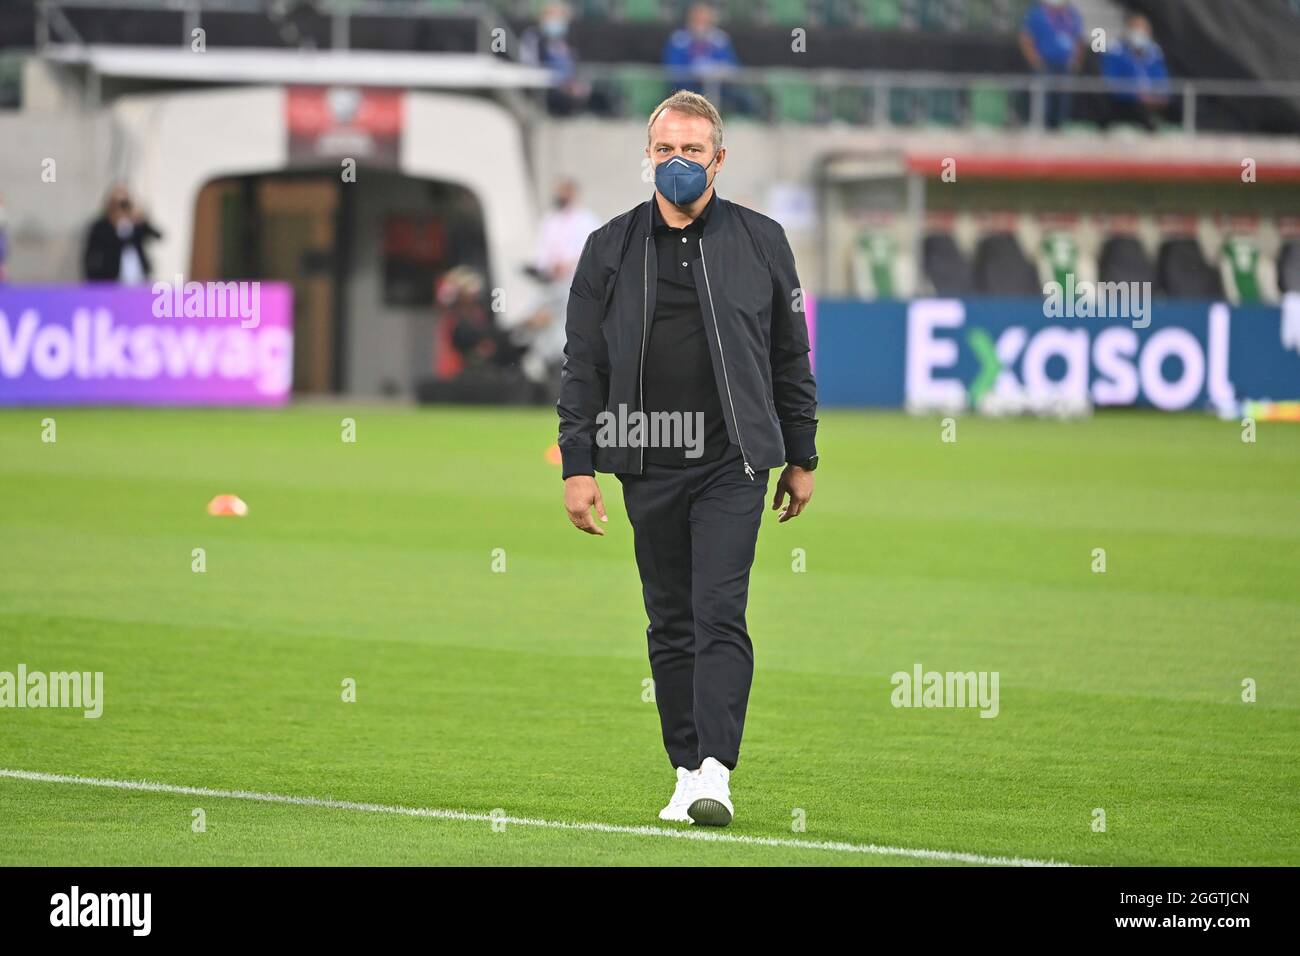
(1000, 355)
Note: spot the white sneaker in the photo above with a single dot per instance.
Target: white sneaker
(676, 809)
(710, 804)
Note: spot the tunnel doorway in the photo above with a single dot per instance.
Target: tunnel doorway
(364, 259)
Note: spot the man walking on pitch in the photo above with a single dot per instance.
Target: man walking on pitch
(686, 375)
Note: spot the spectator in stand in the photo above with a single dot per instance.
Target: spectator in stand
(1137, 75)
(1051, 39)
(700, 54)
(115, 243)
(547, 45)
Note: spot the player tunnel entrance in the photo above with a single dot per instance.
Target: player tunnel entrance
(363, 258)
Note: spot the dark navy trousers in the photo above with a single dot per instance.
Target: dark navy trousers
(695, 529)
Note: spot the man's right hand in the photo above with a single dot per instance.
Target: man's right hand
(581, 494)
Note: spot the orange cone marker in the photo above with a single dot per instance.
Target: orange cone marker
(231, 505)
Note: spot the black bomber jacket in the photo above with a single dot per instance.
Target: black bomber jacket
(752, 306)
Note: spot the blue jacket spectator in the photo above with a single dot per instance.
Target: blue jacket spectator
(1054, 30)
(700, 46)
(700, 54)
(1051, 39)
(1137, 75)
(1137, 67)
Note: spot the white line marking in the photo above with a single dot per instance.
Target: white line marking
(942, 856)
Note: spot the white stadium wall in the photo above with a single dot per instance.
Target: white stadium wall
(178, 142)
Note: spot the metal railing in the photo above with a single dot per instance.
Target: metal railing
(1023, 97)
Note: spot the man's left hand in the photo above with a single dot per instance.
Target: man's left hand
(798, 484)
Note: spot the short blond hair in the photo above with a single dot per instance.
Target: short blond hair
(686, 101)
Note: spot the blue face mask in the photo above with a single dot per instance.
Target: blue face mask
(682, 181)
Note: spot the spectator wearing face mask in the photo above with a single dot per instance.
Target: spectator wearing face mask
(1137, 75)
(1051, 39)
(115, 243)
(563, 233)
(547, 45)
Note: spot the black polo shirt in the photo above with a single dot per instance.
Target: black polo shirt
(678, 373)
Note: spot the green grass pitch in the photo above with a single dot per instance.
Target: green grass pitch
(523, 690)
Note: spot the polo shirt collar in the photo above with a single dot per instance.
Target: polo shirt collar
(697, 224)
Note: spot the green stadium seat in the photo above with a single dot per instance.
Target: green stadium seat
(849, 104)
(640, 10)
(841, 13)
(641, 90)
(935, 15)
(595, 9)
(980, 16)
(733, 11)
(883, 14)
(942, 107)
(789, 12)
(904, 107)
(989, 106)
(794, 99)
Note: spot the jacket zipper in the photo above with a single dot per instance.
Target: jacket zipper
(726, 380)
(645, 334)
